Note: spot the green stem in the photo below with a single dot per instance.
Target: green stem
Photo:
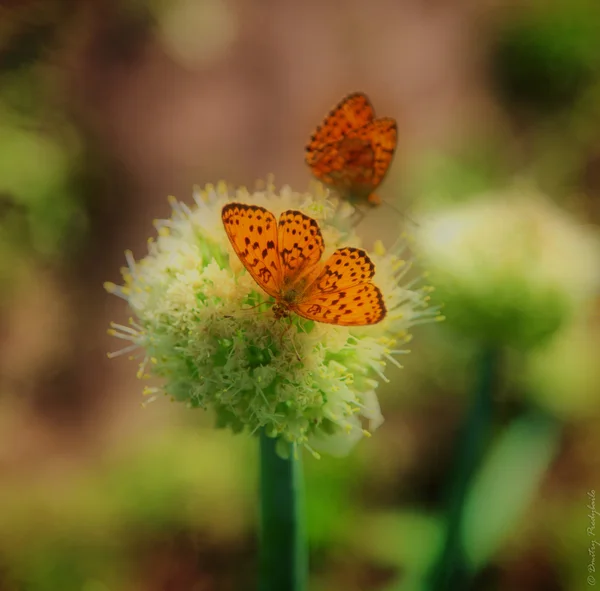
(283, 556)
(450, 571)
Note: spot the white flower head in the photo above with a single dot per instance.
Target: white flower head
(511, 267)
(195, 328)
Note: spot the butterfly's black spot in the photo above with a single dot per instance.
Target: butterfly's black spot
(270, 244)
(265, 274)
(251, 227)
(255, 246)
(247, 241)
(264, 253)
(294, 231)
(259, 230)
(338, 262)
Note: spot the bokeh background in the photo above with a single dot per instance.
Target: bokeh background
(106, 108)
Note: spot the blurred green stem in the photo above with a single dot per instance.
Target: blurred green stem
(283, 556)
(450, 571)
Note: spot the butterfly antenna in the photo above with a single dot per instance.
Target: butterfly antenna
(400, 213)
(253, 307)
(248, 309)
(360, 216)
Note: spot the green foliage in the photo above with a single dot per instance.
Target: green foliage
(546, 57)
(85, 524)
(507, 485)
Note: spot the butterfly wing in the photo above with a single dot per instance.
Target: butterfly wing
(343, 293)
(352, 112)
(359, 305)
(345, 164)
(301, 246)
(252, 231)
(356, 164)
(382, 136)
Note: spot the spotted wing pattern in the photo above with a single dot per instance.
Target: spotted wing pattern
(344, 268)
(346, 164)
(353, 160)
(300, 246)
(382, 136)
(352, 112)
(359, 305)
(252, 231)
(283, 258)
(343, 293)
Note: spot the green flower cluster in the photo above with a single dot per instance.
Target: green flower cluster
(204, 339)
(511, 268)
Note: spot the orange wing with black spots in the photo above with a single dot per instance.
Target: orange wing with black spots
(352, 112)
(359, 305)
(300, 245)
(346, 267)
(343, 293)
(346, 164)
(284, 259)
(382, 137)
(353, 158)
(252, 231)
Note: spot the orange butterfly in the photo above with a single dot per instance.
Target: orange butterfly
(351, 150)
(284, 259)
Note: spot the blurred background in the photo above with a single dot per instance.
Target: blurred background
(106, 108)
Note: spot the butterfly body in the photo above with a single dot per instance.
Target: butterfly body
(284, 258)
(351, 150)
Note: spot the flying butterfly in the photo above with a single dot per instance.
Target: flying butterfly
(351, 151)
(284, 258)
